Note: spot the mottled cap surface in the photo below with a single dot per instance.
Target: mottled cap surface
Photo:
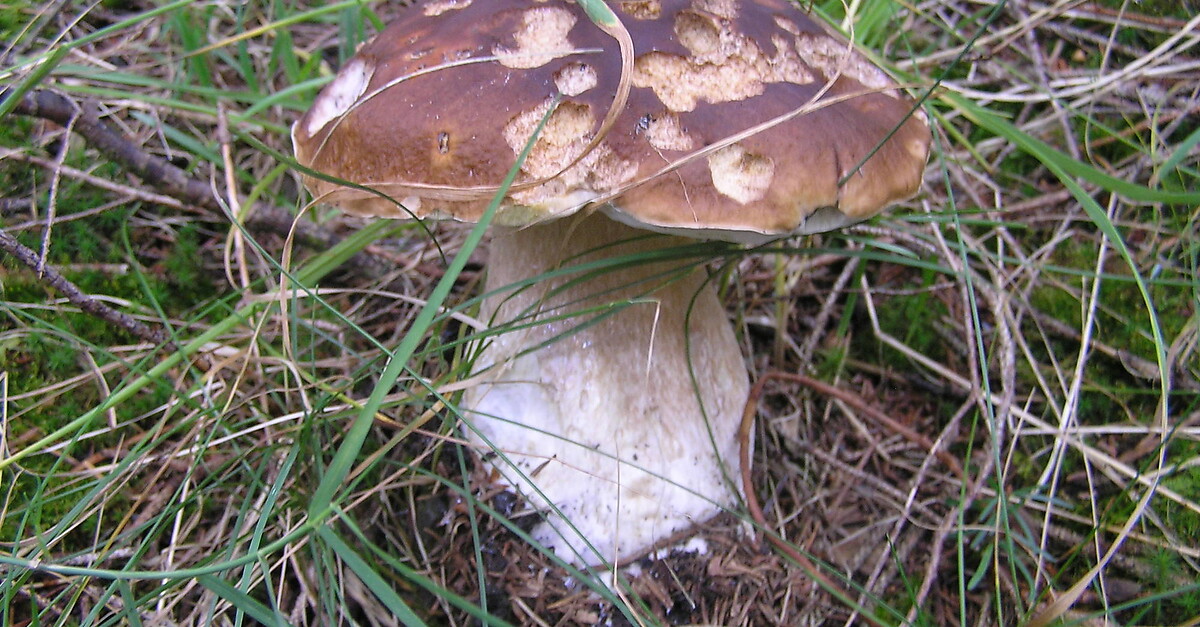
(746, 118)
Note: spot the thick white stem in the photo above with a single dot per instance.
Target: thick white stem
(606, 422)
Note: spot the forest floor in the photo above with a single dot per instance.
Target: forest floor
(999, 422)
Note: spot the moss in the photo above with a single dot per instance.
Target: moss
(1183, 521)
(1174, 595)
(187, 278)
(1173, 9)
(913, 318)
(1122, 323)
(50, 345)
(46, 355)
(14, 16)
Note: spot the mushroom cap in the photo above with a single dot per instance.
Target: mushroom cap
(747, 119)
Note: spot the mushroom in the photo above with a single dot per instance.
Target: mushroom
(611, 392)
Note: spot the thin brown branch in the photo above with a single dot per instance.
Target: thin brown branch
(755, 509)
(29, 258)
(859, 405)
(84, 119)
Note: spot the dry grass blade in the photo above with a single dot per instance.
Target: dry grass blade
(979, 425)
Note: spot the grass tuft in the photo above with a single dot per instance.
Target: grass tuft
(293, 455)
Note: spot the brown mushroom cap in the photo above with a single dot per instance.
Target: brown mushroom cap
(433, 112)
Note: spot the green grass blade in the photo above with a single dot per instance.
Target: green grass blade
(1181, 152)
(242, 601)
(306, 276)
(1062, 164)
(356, 435)
(376, 584)
(32, 80)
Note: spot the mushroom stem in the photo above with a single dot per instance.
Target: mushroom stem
(616, 396)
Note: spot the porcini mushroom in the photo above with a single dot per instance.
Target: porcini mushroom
(747, 121)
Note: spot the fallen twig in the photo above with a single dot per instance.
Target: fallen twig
(78, 297)
(83, 119)
(756, 512)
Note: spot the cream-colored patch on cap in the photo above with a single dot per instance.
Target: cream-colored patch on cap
(916, 147)
(641, 9)
(563, 139)
(741, 175)
(541, 38)
(665, 132)
(708, 40)
(412, 203)
(722, 66)
(341, 94)
(438, 7)
(832, 58)
(787, 65)
(787, 25)
(724, 9)
(575, 78)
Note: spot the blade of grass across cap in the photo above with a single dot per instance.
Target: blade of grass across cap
(292, 163)
(356, 435)
(927, 91)
(604, 19)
